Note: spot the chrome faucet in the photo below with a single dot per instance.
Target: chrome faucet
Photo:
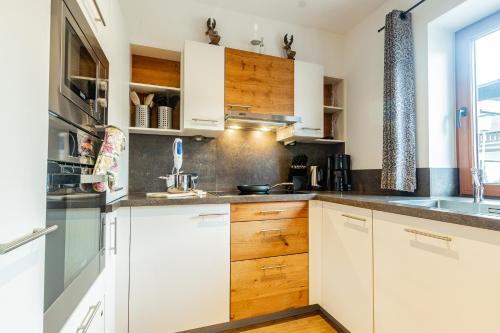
(477, 184)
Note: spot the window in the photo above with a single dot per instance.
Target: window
(478, 100)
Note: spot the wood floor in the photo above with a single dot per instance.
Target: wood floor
(308, 324)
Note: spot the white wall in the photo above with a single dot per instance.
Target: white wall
(24, 68)
(167, 23)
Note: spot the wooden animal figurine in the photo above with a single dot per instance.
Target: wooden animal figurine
(290, 54)
(211, 32)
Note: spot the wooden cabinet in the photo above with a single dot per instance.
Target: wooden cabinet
(203, 88)
(308, 104)
(267, 285)
(269, 253)
(259, 83)
(347, 279)
(434, 277)
(179, 267)
(268, 238)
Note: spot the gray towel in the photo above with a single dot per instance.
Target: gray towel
(399, 151)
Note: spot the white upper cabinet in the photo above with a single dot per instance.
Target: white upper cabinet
(95, 12)
(347, 279)
(308, 104)
(179, 268)
(434, 277)
(308, 99)
(203, 88)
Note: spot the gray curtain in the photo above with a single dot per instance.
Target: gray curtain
(399, 152)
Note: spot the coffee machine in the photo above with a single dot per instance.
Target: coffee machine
(338, 176)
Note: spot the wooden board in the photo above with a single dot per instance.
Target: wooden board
(327, 95)
(160, 72)
(256, 291)
(263, 82)
(259, 239)
(258, 211)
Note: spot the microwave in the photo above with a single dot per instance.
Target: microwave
(78, 86)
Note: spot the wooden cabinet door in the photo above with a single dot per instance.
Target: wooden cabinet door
(203, 88)
(308, 97)
(347, 266)
(260, 83)
(434, 277)
(179, 268)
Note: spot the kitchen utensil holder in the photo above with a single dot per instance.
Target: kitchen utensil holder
(164, 117)
(142, 116)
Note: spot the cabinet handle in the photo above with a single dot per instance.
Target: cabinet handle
(276, 211)
(428, 234)
(87, 320)
(213, 121)
(271, 230)
(212, 214)
(14, 244)
(232, 106)
(310, 129)
(354, 217)
(99, 12)
(114, 248)
(264, 268)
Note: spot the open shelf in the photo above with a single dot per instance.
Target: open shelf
(155, 131)
(151, 88)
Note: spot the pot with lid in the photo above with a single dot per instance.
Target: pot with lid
(180, 182)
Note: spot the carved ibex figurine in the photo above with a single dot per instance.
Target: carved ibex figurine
(288, 47)
(211, 32)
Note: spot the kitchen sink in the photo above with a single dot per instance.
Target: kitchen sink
(460, 205)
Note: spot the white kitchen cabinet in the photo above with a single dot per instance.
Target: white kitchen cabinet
(434, 277)
(179, 267)
(95, 12)
(117, 270)
(315, 250)
(203, 88)
(89, 315)
(25, 58)
(347, 279)
(308, 104)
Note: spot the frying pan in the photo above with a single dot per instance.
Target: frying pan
(259, 189)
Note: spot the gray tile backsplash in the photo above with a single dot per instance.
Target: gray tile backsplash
(235, 157)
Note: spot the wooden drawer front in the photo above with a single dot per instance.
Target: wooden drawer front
(259, 211)
(270, 238)
(262, 286)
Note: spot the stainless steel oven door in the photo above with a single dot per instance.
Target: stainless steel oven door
(74, 254)
(79, 67)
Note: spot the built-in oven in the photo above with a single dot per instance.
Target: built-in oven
(74, 253)
(79, 68)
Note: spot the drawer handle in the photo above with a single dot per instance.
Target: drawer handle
(213, 121)
(212, 214)
(14, 244)
(239, 106)
(428, 234)
(271, 230)
(264, 268)
(89, 317)
(354, 217)
(276, 211)
(310, 129)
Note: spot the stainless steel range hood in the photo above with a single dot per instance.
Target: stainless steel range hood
(250, 120)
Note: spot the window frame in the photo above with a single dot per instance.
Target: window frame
(465, 97)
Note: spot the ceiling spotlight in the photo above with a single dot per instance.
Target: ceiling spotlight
(265, 129)
(235, 127)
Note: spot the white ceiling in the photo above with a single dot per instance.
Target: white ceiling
(330, 15)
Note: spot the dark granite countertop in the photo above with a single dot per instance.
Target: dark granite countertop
(373, 202)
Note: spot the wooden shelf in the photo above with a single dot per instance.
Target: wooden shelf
(151, 88)
(332, 109)
(153, 131)
(328, 141)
